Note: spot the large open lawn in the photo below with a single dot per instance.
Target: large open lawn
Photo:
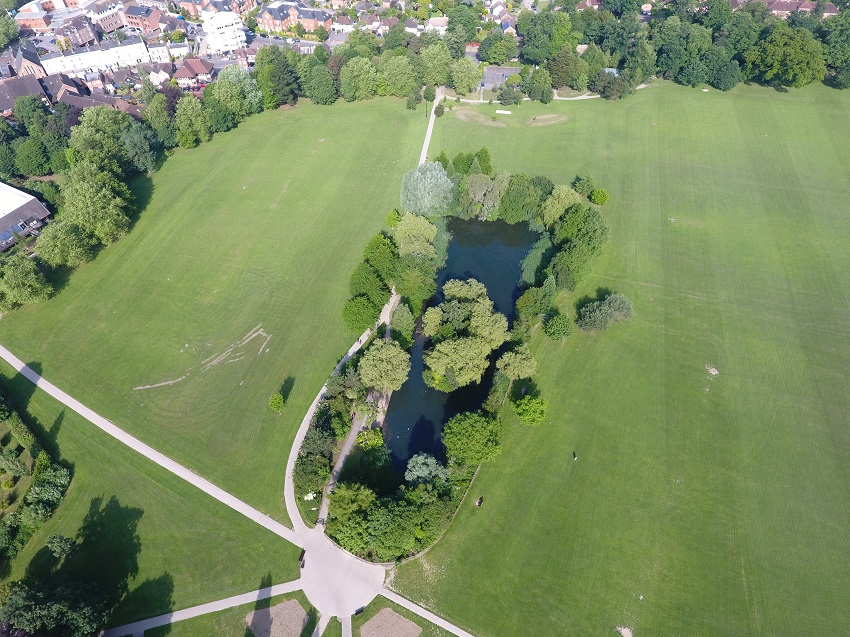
(723, 501)
(259, 228)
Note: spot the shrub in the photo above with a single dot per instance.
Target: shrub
(599, 196)
(439, 110)
(558, 327)
(8, 483)
(583, 185)
(531, 410)
(370, 439)
(598, 315)
(276, 402)
(393, 218)
(21, 432)
(11, 463)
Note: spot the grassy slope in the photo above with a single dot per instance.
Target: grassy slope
(261, 226)
(174, 546)
(722, 501)
(231, 622)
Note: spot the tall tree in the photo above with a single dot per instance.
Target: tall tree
(466, 75)
(358, 80)
(193, 122)
(436, 64)
(384, 366)
(472, 438)
(787, 57)
(21, 282)
(96, 201)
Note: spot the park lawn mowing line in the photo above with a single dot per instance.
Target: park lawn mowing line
(720, 499)
(231, 622)
(172, 545)
(260, 227)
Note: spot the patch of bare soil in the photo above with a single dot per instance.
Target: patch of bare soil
(388, 623)
(546, 120)
(466, 115)
(624, 631)
(286, 619)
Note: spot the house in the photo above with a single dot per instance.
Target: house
(245, 57)
(34, 16)
(336, 5)
(363, 5)
(21, 214)
(105, 55)
(587, 4)
(509, 26)
(385, 25)
(160, 5)
(497, 10)
(411, 25)
(192, 7)
(342, 24)
(224, 32)
(22, 61)
(193, 72)
(784, 8)
(145, 19)
(22, 86)
(437, 25)
(282, 15)
(107, 16)
(59, 85)
(77, 31)
(370, 22)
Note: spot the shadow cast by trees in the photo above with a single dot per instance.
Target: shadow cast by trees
(286, 387)
(151, 598)
(601, 295)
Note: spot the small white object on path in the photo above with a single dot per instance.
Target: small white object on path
(498, 112)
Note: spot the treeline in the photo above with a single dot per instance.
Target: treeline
(690, 41)
(22, 459)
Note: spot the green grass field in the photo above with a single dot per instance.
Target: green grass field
(171, 545)
(721, 500)
(260, 227)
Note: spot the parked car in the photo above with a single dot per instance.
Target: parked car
(276, 37)
(251, 33)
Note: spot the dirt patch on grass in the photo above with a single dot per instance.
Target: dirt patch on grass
(624, 631)
(466, 115)
(388, 623)
(282, 620)
(546, 120)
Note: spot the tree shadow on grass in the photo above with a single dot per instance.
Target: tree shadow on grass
(286, 388)
(584, 301)
(151, 598)
(141, 187)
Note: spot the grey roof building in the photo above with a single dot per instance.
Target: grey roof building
(20, 214)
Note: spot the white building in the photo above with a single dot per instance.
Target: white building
(167, 52)
(437, 25)
(224, 32)
(99, 57)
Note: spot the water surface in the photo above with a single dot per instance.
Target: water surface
(491, 252)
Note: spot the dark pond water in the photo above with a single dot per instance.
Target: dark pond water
(490, 251)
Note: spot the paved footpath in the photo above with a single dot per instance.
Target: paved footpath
(423, 156)
(149, 452)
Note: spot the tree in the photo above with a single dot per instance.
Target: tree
(455, 41)
(21, 282)
(568, 69)
(30, 111)
(31, 157)
(70, 609)
(96, 201)
(140, 143)
(472, 438)
(157, 116)
(436, 64)
(508, 95)
(62, 243)
(599, 196)
(423, 468)
(358, 80)
(430, 93)
(427, 190)
(276, 79)
(520, 201)
(237, 91)
(384, 366)
(193, 122)
(320, 85)
(558, 327)
(321, 33)
(350, 499)
(399, 76)
(381, 253)
(277, 402)
(787, 57)
(517, 364)
(556, 204)
(359, 314)
(365, 281)
(619, 7)
(466, 75)
(395, 37)
(402, 321)
(531, 410)
(414, 99)
(415, 235)
(61, 546)
(715, 14)
(99, 135)
(465, 17)
(9, 30)
(835, 33)
(598, 315)
(498, 48)
(544, 35)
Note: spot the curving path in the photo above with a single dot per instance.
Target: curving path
(336, 582)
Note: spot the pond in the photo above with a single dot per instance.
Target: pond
(491, 252)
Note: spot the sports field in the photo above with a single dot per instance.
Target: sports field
(233, 279)
(700, 504)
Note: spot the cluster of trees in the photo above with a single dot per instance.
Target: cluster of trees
(37, 143)
(596, 316)
(370, 284)
(463, 330)
(48, 483)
